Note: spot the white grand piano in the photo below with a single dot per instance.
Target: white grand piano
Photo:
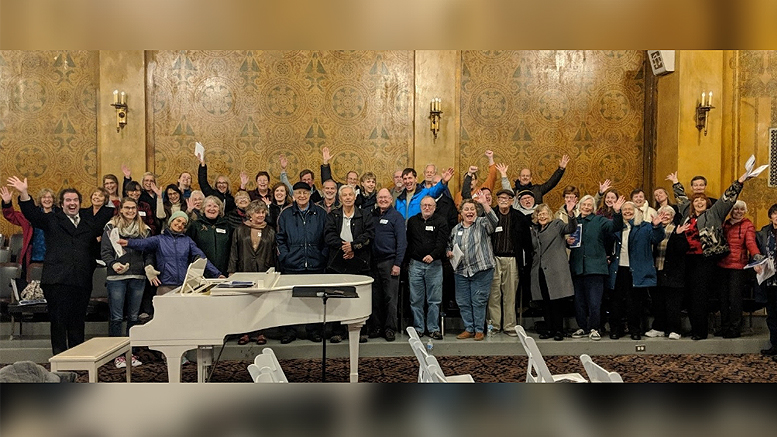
(192, 320)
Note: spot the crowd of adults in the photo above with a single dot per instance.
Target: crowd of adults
(607, 254)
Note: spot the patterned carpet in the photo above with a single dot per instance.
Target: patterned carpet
(742, 368)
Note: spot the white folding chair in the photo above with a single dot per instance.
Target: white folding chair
(413, 333)
(537, 370)
(429, 369)
(597, 373)
(266, 368)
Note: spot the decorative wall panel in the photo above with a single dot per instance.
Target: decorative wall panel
(247, 107)
(758, 96)
(532, 107)
(48, 119)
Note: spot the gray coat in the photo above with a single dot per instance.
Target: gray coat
(550, 254)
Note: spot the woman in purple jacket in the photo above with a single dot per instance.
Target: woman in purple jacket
(174, 252)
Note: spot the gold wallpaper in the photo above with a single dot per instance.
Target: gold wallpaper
(48, 120)
(247, 107)
(532, 107)
(757, 81)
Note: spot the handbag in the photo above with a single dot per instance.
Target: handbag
(713, 242)
(32, 291)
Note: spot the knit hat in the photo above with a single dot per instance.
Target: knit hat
(175, 215)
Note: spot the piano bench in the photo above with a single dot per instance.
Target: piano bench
(92, 354)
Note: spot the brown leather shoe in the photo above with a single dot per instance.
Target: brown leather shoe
(243, 339)
(464, 335)
(479, 336)
(261, 339)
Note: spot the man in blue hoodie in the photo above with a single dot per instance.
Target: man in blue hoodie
(409, 202)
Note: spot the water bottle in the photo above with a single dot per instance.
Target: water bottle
(429, 346)
(490, 328)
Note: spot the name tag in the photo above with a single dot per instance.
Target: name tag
(221, 231)
(430, 228)
(142, 213)
(498, 229)
(460, 233)
(383, 221)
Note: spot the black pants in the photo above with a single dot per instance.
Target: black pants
(667, 302)
(732, 284)
(552, 309)
(67, 307)
(698, 272)
(771, 313)
(626, 300)
(385, 296)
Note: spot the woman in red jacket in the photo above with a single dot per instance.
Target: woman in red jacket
(33, 242)
(740, 235)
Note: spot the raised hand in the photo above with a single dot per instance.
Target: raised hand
(243, 180)
(18, 184)
(481, 198)
(744, 177)
(618, 203)
(189, 204)
(564, 161)
(155, 189)
(604, 186)
(126, 170)
(659, 218)
(5, 194)
(447, 175)
(502, 169)
(682, 228)
(490, 156)
(672, 177)
(570, 203)
(472, 169)
(284, 162)
(327, 156)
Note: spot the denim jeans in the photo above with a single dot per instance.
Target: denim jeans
(425, 282)
(472, 297)
(588, 301)
(118, 291)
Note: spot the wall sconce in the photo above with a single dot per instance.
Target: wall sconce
(120, 103)
(435, 114)
(702, 111)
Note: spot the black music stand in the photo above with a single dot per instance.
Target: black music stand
(324, 293)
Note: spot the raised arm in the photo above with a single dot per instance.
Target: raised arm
(555, 178)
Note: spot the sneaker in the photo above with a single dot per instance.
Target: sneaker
(578, 334)
(390, 336)
(436, 335)
(135, 361)
(653, 333)
(674, 336)
(594, 335)
(120, 362)
(336, 338)
(511, 332)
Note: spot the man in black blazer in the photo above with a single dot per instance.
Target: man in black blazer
(69, 263)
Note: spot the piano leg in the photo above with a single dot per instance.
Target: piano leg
(204, 361)
(173, 356)
(353, 347)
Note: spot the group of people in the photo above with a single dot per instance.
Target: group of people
(603, 251)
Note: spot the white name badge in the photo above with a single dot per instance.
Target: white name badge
(430, 228)
(498, 229)
(460, 233)
(383, 221)
(142, 213)
(221, 231)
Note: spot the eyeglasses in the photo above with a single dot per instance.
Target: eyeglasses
(427, 206)
(503, 198)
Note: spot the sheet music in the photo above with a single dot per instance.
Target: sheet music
(457, 256)
(749, 168)
(199, 150)
(114, 237)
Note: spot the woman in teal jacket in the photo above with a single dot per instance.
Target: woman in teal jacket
(588, 264)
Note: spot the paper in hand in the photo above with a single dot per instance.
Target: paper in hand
(458, 254)
(199, 150)
(114, 237)
(752, 173)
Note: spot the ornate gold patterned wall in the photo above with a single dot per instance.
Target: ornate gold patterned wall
(247, 107)
(531, 107)
(48, 129)
(758, 113)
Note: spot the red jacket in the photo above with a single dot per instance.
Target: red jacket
(741, 240)
(17, 218)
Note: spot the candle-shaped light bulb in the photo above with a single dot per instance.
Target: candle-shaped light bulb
(709, 99)
(431, 105)
(703, 99)
(123, 98)
(115, 96)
